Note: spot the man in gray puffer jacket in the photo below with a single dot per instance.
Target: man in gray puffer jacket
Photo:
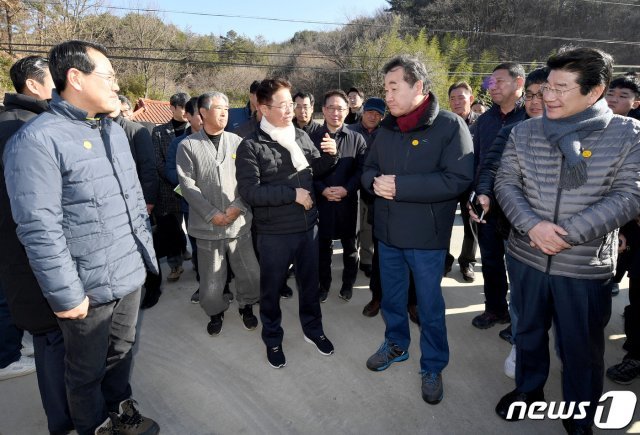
(83, 221)
(566, 182)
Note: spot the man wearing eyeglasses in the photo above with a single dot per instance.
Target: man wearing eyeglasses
(337, 193)
(506, 88)
(304, 113)
(567, 181)
(83, 220)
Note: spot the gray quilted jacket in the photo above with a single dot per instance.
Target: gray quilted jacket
(76, 198)
(208, 182)
(527, 189)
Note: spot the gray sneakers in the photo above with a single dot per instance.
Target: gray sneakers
(386, 355)
(133, 423)
(23, 366)
(432, 390)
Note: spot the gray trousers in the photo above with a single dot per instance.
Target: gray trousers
(212, 265)
(365, 235)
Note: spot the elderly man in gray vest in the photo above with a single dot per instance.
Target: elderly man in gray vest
(220, 220)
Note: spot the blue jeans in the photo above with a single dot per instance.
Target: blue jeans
(426, 267)
(10, 335)
(98, 360)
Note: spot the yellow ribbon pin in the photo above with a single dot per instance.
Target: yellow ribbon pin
(233, 156)
(415, 142)
(586, 154)
(87, 144)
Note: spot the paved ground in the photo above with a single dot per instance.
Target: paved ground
(192, 383)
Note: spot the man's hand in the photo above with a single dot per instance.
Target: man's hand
(303, 197)
(485, 203)
(232, 214)
(328, 145)
(334, 193)
(79, 312)
(385, 186)
(219, 219)
(149, 208)
(545, 236)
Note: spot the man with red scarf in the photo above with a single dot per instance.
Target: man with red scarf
(418, 165)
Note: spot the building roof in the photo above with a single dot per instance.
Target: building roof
(157, 112)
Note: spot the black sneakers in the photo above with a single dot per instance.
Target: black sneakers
(286, 292)
(195, 297)
(275, 357)
(625, 372)
(215, 325)
(324, 294)
(248, 319)
(322, 343)
(346, 292)
(488, 319)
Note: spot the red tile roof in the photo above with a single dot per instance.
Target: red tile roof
(157, 112)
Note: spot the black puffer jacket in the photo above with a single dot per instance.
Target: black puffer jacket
(267, 180)
(433, 165)
(29, 309)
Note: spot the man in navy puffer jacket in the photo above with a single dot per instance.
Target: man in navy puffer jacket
(82, 219)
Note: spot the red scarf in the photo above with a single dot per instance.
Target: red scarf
(410, 120)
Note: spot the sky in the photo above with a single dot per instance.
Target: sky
(338, 11)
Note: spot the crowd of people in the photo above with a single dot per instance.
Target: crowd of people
(91, 200)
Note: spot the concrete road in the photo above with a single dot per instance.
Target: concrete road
(192, 383)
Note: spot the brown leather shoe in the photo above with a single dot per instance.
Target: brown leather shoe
(413, 314)
(371, 309)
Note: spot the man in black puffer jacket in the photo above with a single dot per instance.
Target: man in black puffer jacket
(275, 168)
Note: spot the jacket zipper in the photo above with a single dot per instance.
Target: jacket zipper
(556, 211)
(304, 212)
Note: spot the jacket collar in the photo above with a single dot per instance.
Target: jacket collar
(496, 111)
(264, 137)
(25, 102)
(63, 108)
(425, 121)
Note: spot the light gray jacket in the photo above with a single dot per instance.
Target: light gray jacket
(527, 189)
(208, 183)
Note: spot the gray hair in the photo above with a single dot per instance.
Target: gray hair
(204, 100)
(414, 70)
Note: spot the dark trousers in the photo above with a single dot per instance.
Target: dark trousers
(49, 355)
(494, 272)
(349, 261)
(376, 286)
(98, 360)
(632, 311)
(469, 242)
(10, 335)
(580, 309)
(278, 252)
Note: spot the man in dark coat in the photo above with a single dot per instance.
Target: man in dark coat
(29, 308)
(418, 165)
(275, 168)
(337, 194)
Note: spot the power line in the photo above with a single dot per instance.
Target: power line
(612, 3)
(250, 65)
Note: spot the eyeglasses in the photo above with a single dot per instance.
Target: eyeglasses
(559, 93)
(335, 108)
(110, 78)
(530, 95)
(284, 106)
